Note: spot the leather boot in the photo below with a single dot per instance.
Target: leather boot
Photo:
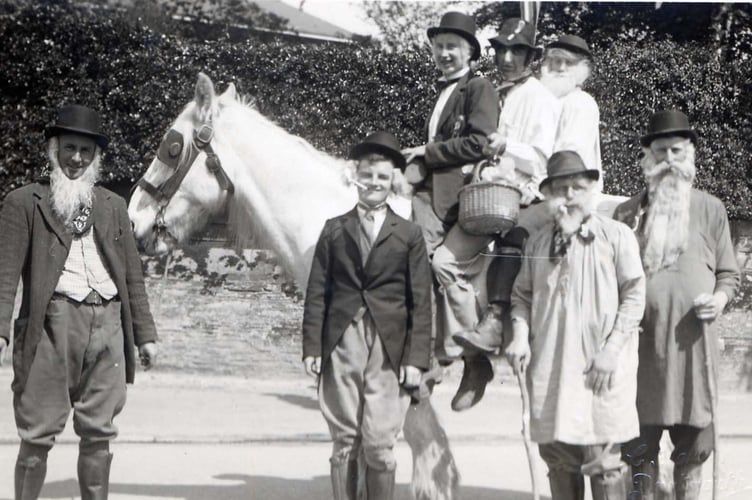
(31, 469)
(94, 474)
(642, 484)
(487, 335)
(345, 480)
(687, 481)
(477, 373)
(379, 484)
(610, 485)
(566, 485)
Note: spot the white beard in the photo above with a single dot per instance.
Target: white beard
(568, 217)
(68, 195)
(666, 232)
(559, 84)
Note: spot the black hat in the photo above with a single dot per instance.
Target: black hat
(77, 119)
(566, 163)
(459, 24)
(668, 123)
(380, 142)
(514, 31)
(572, 43)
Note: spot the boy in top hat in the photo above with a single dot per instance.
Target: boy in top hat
(576, 306)
(523, 142)
(83, 308)
(692, 273)
(464, 114)
(566, 66)
(367, 323)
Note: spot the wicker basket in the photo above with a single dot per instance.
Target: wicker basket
(488, 207)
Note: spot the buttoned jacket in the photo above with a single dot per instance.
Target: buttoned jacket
(34, 246)
(394, 284)
(469, 116)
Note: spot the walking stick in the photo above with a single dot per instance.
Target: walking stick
(526, 430)
(713, 407)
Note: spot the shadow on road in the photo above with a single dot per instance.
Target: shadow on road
(308, 403)
(245, 487)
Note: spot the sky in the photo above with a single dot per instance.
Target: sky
(348, 14)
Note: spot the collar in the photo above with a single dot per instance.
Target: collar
(454, 76)
(363, 208)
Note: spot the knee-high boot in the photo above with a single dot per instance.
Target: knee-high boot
(94, 472)
(31, 469)
(379, 484)
(644, 477)
(566, 485)
(687, 481)
(344, 477)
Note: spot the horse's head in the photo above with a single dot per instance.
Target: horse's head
(190, 178)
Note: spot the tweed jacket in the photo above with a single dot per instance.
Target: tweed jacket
(394, 285)
(35, 246)
(469, 116)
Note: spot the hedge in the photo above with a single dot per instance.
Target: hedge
(332, 94)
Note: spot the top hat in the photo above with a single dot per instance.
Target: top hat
(668, 123)
(459, 24)
(566, 163)
(77, 119)
(573, 43)
(514, 31)
(380, 142)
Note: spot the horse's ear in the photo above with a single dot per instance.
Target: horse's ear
(229, 95)
(204, 93)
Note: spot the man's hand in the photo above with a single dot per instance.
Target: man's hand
(3, 346)
(148, 354)
(497, 143)
(312, 365)
(411, 153)
(600, 372)
(708, 307)
(409, 376)
(518, 354)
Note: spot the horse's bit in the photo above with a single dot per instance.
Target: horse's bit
(169, 153)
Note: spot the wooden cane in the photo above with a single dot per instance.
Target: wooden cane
(526, 430)
(713, 406)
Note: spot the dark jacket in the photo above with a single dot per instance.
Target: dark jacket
(469, 116)
(394, 284)
(34, 246)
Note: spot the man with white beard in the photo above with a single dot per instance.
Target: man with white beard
(691, 274)
(576, 306)
(83, 307)
(565, 68)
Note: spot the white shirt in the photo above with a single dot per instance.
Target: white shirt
(85, 271)
(433, 123)
(578, 129)
(379, 216)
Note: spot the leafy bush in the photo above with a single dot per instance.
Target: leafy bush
(333, 94)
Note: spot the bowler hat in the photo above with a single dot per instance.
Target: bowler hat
(380, 142)
(666, 124)
(566, 163)
(572, 43)
(459, 24)
(514, 31)
(77, 119)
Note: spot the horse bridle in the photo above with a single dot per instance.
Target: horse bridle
(169, 153)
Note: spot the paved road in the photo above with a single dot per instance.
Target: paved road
(195, 438)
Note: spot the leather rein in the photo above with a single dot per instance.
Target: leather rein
(170, 152)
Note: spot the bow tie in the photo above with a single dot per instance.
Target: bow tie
(442, 84)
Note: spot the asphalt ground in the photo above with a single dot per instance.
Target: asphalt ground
(197, 437)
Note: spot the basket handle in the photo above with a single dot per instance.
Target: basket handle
(480, 166)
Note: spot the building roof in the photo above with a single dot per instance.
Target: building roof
(303, 23)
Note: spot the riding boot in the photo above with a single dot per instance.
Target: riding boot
(566, 485)
(345, 480)
(610, 485)
(94, 472)
(31, 469)
(379, 484)
(477, 373)
(687, 481)
(487, 335)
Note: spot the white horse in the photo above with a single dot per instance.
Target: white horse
(220, 152)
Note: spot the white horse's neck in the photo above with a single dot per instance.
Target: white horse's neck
(284, 188)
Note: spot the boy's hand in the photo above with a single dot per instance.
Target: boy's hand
(409, 376)
(312, 365)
